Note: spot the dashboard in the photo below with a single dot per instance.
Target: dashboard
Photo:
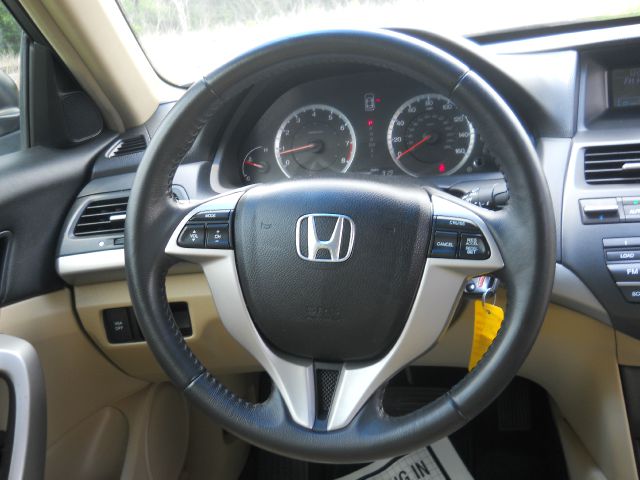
(371, 123)
(579, 102)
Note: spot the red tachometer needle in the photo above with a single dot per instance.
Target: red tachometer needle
(413, 147)
(308, 146)
(253, 164)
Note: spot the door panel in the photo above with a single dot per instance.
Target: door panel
(37, 187)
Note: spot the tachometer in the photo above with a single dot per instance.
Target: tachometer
(428, 135)
(313, 139)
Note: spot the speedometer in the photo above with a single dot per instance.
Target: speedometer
(428, 135)
(314, 139)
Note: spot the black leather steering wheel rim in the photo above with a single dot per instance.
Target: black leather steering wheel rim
(524, 232)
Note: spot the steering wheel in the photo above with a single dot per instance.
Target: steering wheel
(335, 285)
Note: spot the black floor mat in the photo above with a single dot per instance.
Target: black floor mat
(515, 438)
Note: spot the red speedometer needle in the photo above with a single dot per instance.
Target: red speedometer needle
(253, 164)
(413, 147)
(308, 146)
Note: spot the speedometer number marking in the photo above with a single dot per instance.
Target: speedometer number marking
(428, 135)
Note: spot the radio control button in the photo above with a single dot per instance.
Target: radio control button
(625, 272)
(623, 256)
(631, 292)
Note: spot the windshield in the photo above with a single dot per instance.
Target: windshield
(184, 39)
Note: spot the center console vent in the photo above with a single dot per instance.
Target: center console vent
(128, 146)
(612, 164)
(102, 217)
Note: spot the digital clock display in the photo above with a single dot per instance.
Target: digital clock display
(625, 87)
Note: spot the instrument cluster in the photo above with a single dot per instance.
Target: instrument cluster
(376, 123)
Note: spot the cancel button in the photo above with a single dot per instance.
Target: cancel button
(445, 244)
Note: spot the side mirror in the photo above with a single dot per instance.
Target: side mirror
(9, 105)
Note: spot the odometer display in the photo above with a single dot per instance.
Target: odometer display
(428, 135)
(314, 139)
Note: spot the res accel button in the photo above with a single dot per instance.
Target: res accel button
(192, 236)
(473, 247)
(445, 244)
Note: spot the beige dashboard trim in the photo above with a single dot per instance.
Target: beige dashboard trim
(210, 341)
(628, 350)
(78, 378)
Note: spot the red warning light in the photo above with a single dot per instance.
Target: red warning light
(378, 100)
(442, 168)
(370, 122)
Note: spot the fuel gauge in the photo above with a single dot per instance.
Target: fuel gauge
(255, 164)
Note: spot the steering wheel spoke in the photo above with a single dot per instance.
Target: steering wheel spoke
(293, 377)
(444, 276)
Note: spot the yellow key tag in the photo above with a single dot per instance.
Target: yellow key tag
(487, 321)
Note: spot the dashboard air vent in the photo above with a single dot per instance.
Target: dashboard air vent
(128, 146)
(102, 217)
(612, 164)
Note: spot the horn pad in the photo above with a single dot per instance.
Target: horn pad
(329, 268)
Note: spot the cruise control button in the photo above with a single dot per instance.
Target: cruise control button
(212, 216)
(218, 236)
(192, 236)
(445, 244)
(625, 272)
(458, 224)
(631, 292)
(473, 247)
(623, 255)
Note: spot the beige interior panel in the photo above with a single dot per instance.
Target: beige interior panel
(158, 433)
(94, 449)
(574, 359)
(213, 452)
(580, 465)
(628, 350)
(93, 39)
(210, 341)
(79, 379)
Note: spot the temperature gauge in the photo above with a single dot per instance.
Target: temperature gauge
(255, 164)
